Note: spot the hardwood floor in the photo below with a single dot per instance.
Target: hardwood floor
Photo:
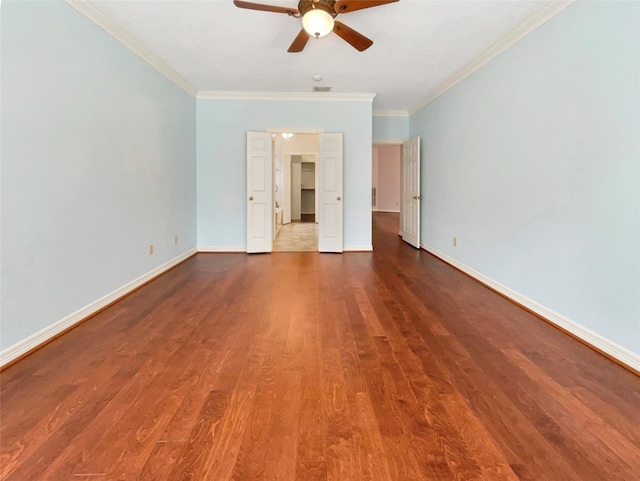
(365, 366)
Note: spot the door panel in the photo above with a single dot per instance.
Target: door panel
(330, 165)
(330, 227)
(259, 192)
(258, 215)
(410, 205)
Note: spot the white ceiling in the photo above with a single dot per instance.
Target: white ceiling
(418, 44)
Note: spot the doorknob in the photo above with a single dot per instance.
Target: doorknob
(251, 198)
(338, 198)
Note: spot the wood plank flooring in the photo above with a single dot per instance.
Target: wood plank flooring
(301, 366)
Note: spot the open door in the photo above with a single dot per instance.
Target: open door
(330, 193)
(410, 205)
(259, 192)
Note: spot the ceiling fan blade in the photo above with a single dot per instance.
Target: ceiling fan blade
(299, 42)
(355, 39)
(346, 6)
(265, 8)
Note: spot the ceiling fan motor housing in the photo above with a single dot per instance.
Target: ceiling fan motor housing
(318, 19)
(327, 5)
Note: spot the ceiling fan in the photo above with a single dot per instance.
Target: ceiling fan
(318, 19)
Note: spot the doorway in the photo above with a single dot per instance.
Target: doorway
(295, 158)
(308, 182)
(266, 177)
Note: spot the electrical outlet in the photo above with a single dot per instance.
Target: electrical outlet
(175, 240)
(150, 249)
(455, 241)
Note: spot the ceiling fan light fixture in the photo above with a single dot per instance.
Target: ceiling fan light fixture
(317, 22)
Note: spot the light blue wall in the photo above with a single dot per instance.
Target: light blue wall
(221, 154)
(390, 128)
(533, 162)
(98, 162)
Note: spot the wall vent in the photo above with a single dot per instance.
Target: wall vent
(321, 89)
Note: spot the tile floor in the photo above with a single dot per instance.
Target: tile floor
(297, 237)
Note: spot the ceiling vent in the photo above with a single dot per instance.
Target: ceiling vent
(321, 89)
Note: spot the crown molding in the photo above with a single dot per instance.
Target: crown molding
(391, 113)
(524, 28)
(295, 96)
(106, 24)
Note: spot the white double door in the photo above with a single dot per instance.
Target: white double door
(260, 205)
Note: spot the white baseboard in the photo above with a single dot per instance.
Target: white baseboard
(386, 210)
(358, 248)
(41, 337)
(222, 248)
(599, 342)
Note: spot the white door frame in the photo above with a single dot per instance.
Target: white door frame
(286, 189)
(374, 177)
(295, 130)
